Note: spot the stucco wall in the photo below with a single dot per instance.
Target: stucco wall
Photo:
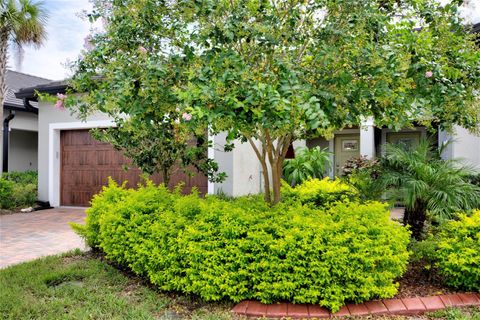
(241, 165)
(244, 175)
(466, 146)
(22, 154)
(225, 163)
(248, 178)
(24, 121)
(47, 115)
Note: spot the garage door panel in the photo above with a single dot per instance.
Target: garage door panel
(87, 164)
(77, 138)
(80, 158)
(80, 178)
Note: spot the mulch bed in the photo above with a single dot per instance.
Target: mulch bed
(418, 282)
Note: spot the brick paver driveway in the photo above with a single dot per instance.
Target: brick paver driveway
(26, 236)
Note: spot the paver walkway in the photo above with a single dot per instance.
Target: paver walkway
(397, 213)
(27, 236)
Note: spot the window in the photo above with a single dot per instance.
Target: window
(349, 145)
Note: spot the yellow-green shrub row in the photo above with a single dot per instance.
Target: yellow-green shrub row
(320, 193)
(457, 253)
(243, 249)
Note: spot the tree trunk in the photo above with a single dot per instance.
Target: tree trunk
(266, 182)
(276, 156)
(277, 171)
(415, 217)
(3, 73)
(277, 181)
(166, 176)
(263, 162)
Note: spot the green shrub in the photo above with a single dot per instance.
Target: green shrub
(320, 193)
(244, 249)
(25, 177)
(457, 254)
(24, 195)
(102, 203)
(6, 194)
(18, 189)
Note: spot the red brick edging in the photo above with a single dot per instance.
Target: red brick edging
(405, 306)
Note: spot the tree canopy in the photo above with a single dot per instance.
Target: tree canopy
(274, 71)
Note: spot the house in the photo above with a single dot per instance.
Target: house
(368, 140)
(20, 125)
(73, 166)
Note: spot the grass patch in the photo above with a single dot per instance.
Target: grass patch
(468, 313)
(81, 286)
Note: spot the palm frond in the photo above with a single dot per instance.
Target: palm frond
(308, 163)
(420, 175)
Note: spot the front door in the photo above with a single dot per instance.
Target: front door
(408, 139)
(347, 146)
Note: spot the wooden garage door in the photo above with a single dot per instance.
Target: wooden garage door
(87, 164)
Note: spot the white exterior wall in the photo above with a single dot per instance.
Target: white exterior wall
(225, 163)
(243, 169)
(23, 146)
(367, 138)
(23, 150)
(464, 146)
(241, 165)
(248, 178)
(24, 121)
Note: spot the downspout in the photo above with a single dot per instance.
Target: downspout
(6, 134)
(28, 106)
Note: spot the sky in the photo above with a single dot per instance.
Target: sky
(66, 34)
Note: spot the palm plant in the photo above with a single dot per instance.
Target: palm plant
(308, 163)
(424, 182)
(22, 22)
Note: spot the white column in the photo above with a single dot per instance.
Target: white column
(367, 138)
(211, 156)
(225, 164)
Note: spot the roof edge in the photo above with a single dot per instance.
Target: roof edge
(49, 88)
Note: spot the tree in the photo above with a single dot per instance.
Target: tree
(425, 183)
(271, 72)
(130, 81)
(161, 146)
(22, 22)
